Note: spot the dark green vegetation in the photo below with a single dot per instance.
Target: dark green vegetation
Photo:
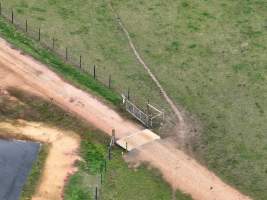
(119, 181)
(75, 190)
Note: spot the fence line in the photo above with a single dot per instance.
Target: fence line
(68, 54)
(76, 59)
(79, 60)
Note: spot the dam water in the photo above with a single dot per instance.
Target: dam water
(16, 160)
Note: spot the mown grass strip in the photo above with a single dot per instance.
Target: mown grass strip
(33, 48)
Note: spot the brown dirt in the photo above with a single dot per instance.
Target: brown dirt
(178, 169)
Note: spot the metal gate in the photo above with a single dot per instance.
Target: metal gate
(145, 118)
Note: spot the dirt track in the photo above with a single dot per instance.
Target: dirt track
(177, 168)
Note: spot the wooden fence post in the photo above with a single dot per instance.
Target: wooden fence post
(96, 193)
(80, 61)
(109, 81)
(39, 34)
(105, 165)
(94, 72)
(12, 16)
(26, 26)
(66, 54)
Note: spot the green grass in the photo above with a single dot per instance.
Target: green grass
(209, 55)
(120, 183)
(215, 53)
(77, 77)
(88, 28)
(180, 196)
(76, 190)
(119, 180)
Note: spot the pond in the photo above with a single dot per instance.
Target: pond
(16, 160)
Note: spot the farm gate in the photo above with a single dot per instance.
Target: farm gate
(149, 118)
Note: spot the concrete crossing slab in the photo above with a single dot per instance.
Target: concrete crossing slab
(137, 139)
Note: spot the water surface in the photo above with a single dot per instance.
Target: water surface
(16, 160)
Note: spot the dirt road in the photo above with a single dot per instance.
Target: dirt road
(177, 168)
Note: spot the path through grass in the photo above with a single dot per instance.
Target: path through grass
(210, 56)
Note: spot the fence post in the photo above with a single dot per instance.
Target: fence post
(12, 16)
(80, 61)
(66, 55)
(26, 26)
(105, 165)
(53, 43)
(39, 34)
(101, 178)
(94, 72)
(0, 8)
(96, 193)
(109, 82)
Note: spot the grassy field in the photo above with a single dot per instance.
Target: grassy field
(119, 181)
(211, 58)
(88, 28)
(209, 55)
(70, 73)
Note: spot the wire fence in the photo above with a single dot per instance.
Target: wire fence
(78, 59)
(97, 180)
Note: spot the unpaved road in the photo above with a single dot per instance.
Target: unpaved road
(177, 168)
